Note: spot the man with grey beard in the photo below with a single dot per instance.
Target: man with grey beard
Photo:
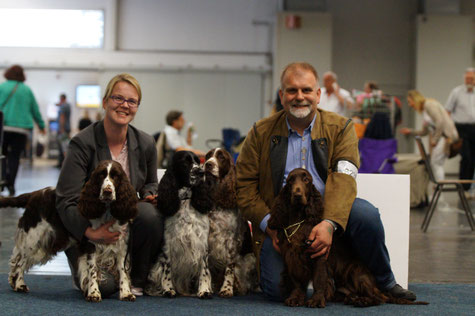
(324, 143)
(461, 106)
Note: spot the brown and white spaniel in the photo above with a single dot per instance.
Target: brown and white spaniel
(40, 235)
(297, 209)
(231, 261)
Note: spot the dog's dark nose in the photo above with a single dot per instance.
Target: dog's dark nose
(107, 191)
(208, 167)
(199, 172)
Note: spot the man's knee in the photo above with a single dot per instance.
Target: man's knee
(364, 216)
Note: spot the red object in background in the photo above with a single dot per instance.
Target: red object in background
(292, 21)
(202, 160)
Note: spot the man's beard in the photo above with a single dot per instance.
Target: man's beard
(300, 112)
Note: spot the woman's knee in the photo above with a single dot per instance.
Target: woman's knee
(148, 218)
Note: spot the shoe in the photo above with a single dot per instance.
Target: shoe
(11, 190)
(137, 291)
(398, 292)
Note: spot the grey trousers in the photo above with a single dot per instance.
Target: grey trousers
(146, 242)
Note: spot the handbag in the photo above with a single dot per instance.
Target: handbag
(455, 147)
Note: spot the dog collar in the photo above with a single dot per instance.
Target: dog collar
(287, 235)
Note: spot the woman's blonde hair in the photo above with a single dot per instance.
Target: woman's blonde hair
(126, 78)
(418, 99)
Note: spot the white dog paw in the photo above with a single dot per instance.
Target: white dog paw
(205, 295)
(226, 293)
(169, 293)
(127, 297)
(94, 297)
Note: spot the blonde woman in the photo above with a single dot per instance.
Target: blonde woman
(114, 138)
(436, 123)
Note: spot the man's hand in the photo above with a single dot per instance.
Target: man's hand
(273, 235)
(322, 234)
(151, 199)
(102, 235)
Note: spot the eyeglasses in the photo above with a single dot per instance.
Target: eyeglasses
(119, 100)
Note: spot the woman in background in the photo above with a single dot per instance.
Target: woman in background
(436, 123)
(20, 110)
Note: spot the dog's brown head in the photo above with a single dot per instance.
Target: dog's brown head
(298, 200)
(220, 164)
(108, 185)
(300, 183)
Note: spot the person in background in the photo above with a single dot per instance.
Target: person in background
(369, 88)
(20, 111)
(64, 127)
(461, 106)
(175, 123)
(114, 138)
(436, 123)
(85, 121)
(304, 136)
(334, 98)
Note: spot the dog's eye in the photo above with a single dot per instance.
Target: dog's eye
(306, 180)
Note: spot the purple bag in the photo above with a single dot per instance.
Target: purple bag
(377, 155)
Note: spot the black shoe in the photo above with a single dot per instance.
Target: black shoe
(11, 190)
(398, 292)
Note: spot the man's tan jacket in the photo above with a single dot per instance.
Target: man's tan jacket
(261, 166)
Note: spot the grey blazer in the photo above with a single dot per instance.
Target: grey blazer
(85, 151)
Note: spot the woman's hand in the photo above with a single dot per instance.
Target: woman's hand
(152, 199)
(102, 235)
(405, 131)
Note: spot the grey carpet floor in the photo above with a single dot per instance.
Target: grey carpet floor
(54, 295)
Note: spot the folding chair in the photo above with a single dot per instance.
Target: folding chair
(441, 186)
(164, 152)
(231, 137)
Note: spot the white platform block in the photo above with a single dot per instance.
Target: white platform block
(390, 193)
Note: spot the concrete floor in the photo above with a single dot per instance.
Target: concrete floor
(445, 254)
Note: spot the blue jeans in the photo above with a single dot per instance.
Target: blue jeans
(365, 233)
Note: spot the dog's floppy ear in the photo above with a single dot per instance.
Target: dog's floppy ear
(203, 195)
(124, 207)
(280, 210)
(314, 209)
(89, 205)
(168, 201)
(226, 191)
